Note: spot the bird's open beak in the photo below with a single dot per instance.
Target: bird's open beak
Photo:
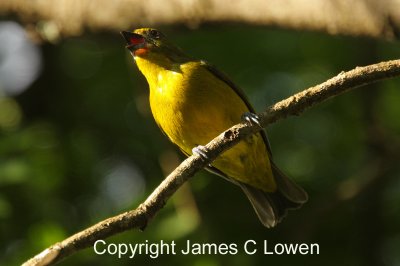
(134, 41)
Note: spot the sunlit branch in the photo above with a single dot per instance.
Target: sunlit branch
(53, 20)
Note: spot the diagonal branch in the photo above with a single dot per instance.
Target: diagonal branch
(293, 105)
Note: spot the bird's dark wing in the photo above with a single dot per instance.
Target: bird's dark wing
(240, 93)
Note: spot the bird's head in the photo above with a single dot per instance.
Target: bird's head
(151, 43)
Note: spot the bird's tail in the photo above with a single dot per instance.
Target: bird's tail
(272, 207)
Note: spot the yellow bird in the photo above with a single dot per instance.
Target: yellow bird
(192, 102)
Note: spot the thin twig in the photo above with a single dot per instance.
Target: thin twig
(139, 217)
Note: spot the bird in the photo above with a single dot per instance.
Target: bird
(192, 102)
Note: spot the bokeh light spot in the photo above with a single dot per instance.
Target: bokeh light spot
(20, 59)
(10, 113)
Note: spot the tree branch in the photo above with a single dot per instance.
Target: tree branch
(54, 19)
(293, 105)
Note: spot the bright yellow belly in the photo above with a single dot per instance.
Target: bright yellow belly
(192, 107)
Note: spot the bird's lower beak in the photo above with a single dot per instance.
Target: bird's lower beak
(134, 41)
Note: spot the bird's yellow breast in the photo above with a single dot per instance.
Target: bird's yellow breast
(192, 106)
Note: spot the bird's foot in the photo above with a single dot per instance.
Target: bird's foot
(251, 119)
(201, 151)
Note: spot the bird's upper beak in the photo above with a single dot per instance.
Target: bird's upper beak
(134, 41)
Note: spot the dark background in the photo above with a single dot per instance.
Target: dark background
(78, 144)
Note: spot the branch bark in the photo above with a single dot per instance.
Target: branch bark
(293, 105)
(54, 19)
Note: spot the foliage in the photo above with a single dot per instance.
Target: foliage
(83, 146)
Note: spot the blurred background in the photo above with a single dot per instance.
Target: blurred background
(78, 144)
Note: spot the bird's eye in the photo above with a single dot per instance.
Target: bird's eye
(155, 34)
